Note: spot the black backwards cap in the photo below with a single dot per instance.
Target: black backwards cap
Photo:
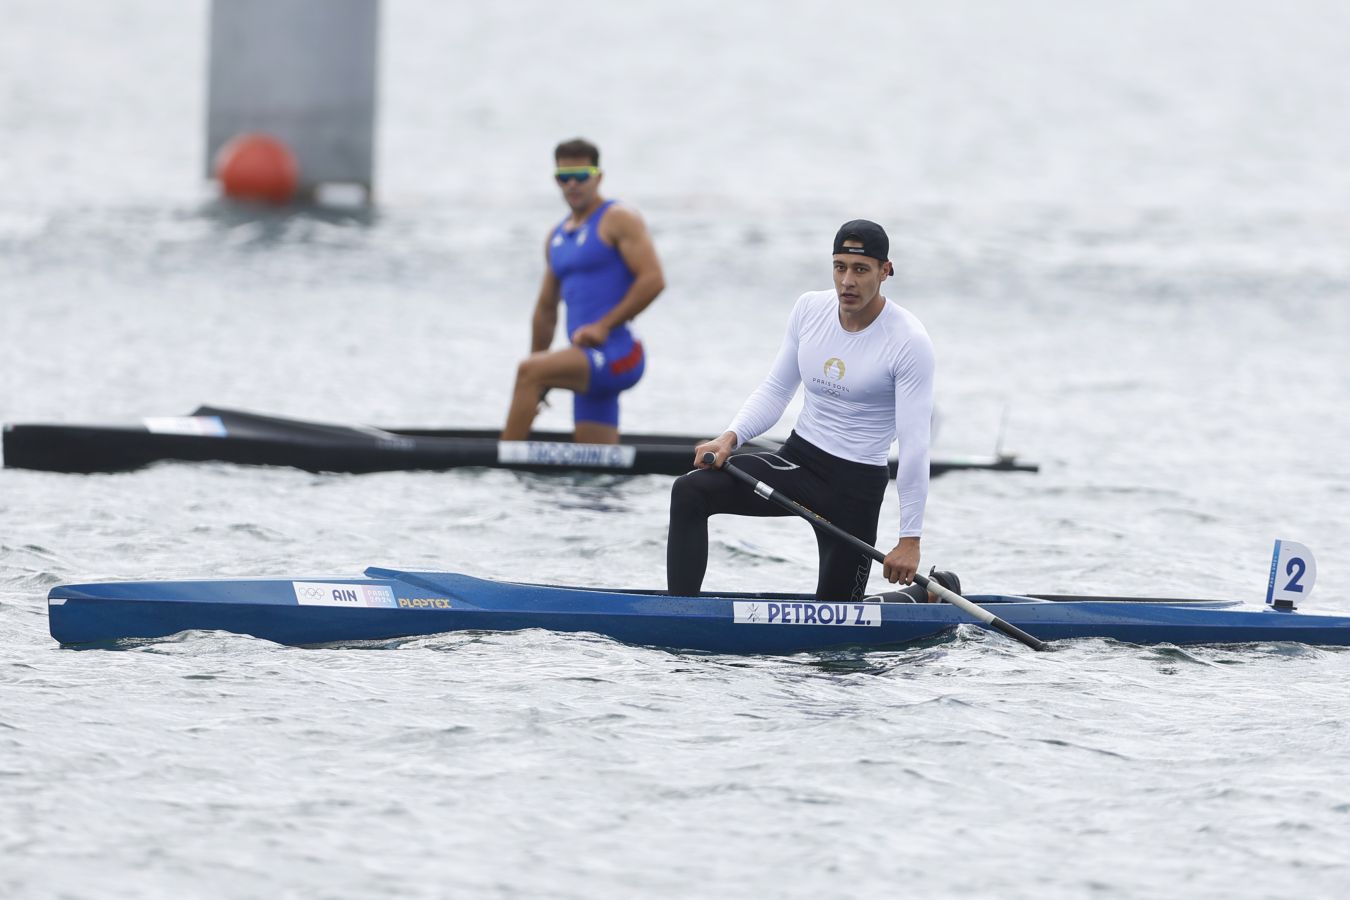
(871, 235)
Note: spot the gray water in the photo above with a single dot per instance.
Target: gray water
(1125, 228)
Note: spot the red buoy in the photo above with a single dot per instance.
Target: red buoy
(257, 167)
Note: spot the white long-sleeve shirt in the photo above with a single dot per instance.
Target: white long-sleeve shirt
(864, 389)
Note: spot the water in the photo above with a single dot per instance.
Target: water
(1127, 237)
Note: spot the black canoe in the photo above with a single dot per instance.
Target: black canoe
(225, 435)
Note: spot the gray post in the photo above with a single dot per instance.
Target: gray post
(303, 71)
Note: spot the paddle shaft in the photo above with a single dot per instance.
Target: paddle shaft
(825, 525)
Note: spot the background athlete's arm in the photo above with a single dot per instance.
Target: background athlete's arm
(545, 321)
(624, 229)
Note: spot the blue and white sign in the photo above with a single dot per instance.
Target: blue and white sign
(561, 453)
(322, 593)
(1292, 573)
(203, 426)
(792, 612)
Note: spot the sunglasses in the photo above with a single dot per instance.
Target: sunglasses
(576, 173)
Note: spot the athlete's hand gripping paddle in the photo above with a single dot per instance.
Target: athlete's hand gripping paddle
(820, 522)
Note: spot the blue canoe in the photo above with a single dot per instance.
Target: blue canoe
(387, 603)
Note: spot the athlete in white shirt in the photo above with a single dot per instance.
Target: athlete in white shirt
(867, 367)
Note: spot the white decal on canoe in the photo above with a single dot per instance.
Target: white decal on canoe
(805, 612)
(563, 453)
(205, 426)
(322, 593)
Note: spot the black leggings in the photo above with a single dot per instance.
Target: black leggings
(849, 494)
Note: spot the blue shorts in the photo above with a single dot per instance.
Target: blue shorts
(610, 376)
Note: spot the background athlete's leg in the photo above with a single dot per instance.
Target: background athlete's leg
(567, 368)
(596, 433)
(596, 418)
(596, 413)
(702, 493)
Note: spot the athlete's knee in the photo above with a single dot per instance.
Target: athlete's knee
(687, 499)
(528, 370)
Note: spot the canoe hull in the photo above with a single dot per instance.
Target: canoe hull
(389, 604)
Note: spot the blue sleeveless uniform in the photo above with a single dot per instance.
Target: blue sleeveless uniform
(593, 278)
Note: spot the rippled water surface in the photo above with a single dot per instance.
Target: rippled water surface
(1127, 235)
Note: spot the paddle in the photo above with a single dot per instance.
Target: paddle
(830, 528)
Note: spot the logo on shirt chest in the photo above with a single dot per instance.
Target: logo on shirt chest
(578, 237)
(832, 383)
